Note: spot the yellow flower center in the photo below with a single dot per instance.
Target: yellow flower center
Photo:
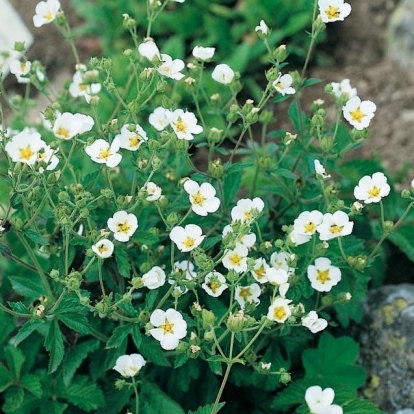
(133, 368)
(48, 16)
(245, 293)
(26, 153)
(167, 327)
(102, 248)
(104, 154)
(310, 227)
(189, 242)
(374, 192)
(279, 313)
(279, 85)
(165, 68)
(247, 215)
(260, 272)
(198, 199)
(357, 115)
(134, 141)
(64, 132)
(181, 126)
(123, 227)
(214, 286)
(332, 12)
(323, 276)
(336, 229)
(83, 86)
(235, 259)
(22, 66)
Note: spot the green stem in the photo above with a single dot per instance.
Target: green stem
(134, 386)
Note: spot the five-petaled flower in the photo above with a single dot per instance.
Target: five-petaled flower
(313, 322)
(153, 191)
(123, 225)
(247, 295)
(372, 189)
(103, 152)
(67, 125)
(334, 225)
(333, 10)
(46, 12)
(129, 365)
(202, 197)
(171, 68)
(154, 278)
(187, 238)
(214, 284)
(20, 69)
(184, 124)
(246, 210)
(169, 328)
(343, 88)
(259, 270)
(150, 51)
(283, 84)
(322, 275)
(320, 401)
(247, 240)
(24, 147)
(359, 113)
(131, 137)
(236, 259)
(158, 118)
(304, 227)
(279, 310)
(103, 248)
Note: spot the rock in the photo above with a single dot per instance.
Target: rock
(387, 348)
(400, 35)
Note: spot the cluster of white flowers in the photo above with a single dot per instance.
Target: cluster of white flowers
(320, 401)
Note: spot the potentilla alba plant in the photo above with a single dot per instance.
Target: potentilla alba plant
(157, 235)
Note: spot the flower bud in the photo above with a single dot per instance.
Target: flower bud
(127, 53)
(388, 226)
(19, 47)
(144, 317)
(318, 25)
(280, 54)
(16, 222)
(172, 219)
(327, 300)
(106, 192)
(266, 117)
(285, 377)
(208, 318)
(405, 193)
(73, 283)
(95, 101)
(232, 117)
(216, 169)
(327, 144)
(215, 135)
(85, 301)
(265, 163)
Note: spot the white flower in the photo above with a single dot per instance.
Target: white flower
(283, 84)
(171, 68)
(149, 50)
(247, 240)
(304, 227)
(20, 70)
(46, 12)
(343, 88)
(153, 191)
(236, 259)
(279, 310)
(334, 225)
(103, 248)
(154, 278)
(169, 328)
(131, 140)
(129, 365)
(359, 114)
(187, 238)
(123, 225)
(68, 125)
(320, 170)
(223, 74)
(79, 86)
(323, 276)
(184, 124)
(279, 260)
(313, 322)
(102, 152)
(372, 189)
(320, 401)
(333, 10)
(47, 155)
(276, 277)
(24, 147)
(203, 53)
(214, 284)
(247, 294)
(259, 270)
(158, 119)
(263, 28)
(246, 210)
(202, 197)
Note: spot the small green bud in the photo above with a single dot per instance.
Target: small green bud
(102, 307)
(318, 25)
(16, 222)
(327, 144)
(60, 19)
(129, 23)
(127, 53)
(63, 196)
(136, 282)
(172, 219)
(405, 193)
(235, 323)
(209, 335)
(388, 226)
(208, 318)
(250, 356)
(84, 301)
(317, 120)
(84, 212)
(73, 283)
(340, 204)
(232, 117)
(182, 145)
(127, 297)
(95, 101)
(285, 377)
(133, 107)
(161, 85)
(266, 247)
(216, 169)
(266, 117)
(144, 316)
(280, 54)
(327, 300)
(19, 47)
(54, 274)
(252, 117)
(119, 384)
(279, 243)
(106, 63)
(215, 135)
(232, 276)
(107, 193)
(265, 162)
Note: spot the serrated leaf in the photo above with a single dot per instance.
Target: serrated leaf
(35, 236)
(293, 394)
(6, 378)
(84, 394)
(13, 397)
(180, 360)
(27, 329)
(151, 351)
(28, 285)
(118, 336)
(53, 407)
(210, 242)
(159, 402)
(136, 335)
(15, 360)
(283, 172)
(150, 298)
(215, 367)
(75, 321)
(32, 384)
(54, 345)
(145, 237)
(19, 307)
(231, 184)
(122, 260)
(297, 117)
(361, 407)
(207, 409)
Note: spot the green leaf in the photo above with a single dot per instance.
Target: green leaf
(27, 329)
(231, 184)
(151, 351)
(15, 360)
(136, 335)
(75, 321)
(122, 260)
(311, 81)
(19, 307)
(53, 407)
(146, 237)
(292, 395)
(28, 285)
(84, 394)
(403, 238)
(5, 251)
(334, 361)
(7, 326)
(6, 378)
(210, 242)
(361, 407)
(285, 173)
(150, 298)
(54, 345)
(32, 384)
(156, 401)
(118, 336)
(180, 360)
(298, 117)
(207, 409)
(14, 397)
(34, 236)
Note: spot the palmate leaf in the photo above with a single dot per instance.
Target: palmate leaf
(156, 401)
(54, 345)
(75, 321)
(26, 330)
(32, 384)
